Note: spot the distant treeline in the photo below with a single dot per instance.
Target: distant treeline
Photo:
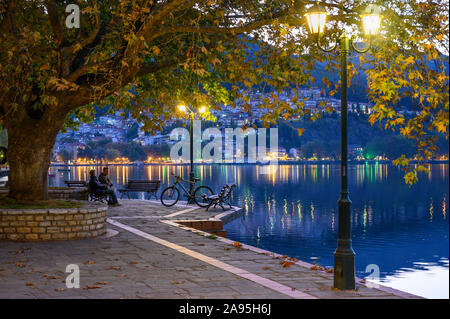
(106, 149)
(322, 137)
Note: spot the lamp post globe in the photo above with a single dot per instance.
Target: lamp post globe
(371, 19)
(316, 17)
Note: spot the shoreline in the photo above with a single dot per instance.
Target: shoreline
(251, 164)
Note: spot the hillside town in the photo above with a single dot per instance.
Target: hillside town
(115, 129)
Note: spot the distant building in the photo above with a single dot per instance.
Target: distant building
(294, 153)
(355, 152)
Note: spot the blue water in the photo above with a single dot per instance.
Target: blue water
(292, 210)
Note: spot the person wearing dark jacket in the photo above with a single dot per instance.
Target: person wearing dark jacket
(98, 187)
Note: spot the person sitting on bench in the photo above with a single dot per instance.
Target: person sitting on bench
(98, 187)
(104, 179)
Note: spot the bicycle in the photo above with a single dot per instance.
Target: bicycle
(170, 195)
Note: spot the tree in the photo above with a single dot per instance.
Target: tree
(135, 152)
(65, 155)
(132, 132)
(157, 150)
(111, 154)
(146, 56)
(3, 138)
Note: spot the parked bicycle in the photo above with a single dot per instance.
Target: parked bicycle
(171, 194)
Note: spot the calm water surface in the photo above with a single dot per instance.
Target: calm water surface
(292, 210)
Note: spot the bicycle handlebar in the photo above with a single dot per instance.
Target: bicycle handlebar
(179, 178)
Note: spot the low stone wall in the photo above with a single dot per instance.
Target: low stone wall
(210, 226)
(53, 224)
(78, 193)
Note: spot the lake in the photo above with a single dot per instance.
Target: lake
(292, 210)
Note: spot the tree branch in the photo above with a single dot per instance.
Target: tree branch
(54, 21)
(7, 23)
(88, 40)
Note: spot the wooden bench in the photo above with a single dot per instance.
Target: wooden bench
(148, 186)
(76, 183)
(224, 197)
(96, 197)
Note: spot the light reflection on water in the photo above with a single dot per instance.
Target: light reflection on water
(292, 209)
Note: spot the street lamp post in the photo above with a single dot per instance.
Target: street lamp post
(344, 256)
(191, 113)
(191, 154)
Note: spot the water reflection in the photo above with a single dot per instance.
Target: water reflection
(292, 209)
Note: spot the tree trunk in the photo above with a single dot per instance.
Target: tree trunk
(30, 144)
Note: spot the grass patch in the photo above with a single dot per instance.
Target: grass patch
(9, 203)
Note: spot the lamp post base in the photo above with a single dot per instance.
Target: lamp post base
(344, 269)
(344, 256)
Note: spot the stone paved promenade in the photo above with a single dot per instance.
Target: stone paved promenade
(146, 254)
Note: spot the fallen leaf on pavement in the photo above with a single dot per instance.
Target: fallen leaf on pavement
(265, 268)
(237, 244)
(316, 268)
(114, 268)
(101, 283)
(29, 284)
(134, 262)
(89, 262)
(50, 276)
(286, 264)
(20, 265)
(91, 287)
(121, 275)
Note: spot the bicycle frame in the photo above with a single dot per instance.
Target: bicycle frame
(178, 183)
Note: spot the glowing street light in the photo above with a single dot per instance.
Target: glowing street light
(316, 17)
(191, 113)
(344, 256)
(202, 109)
(371, 18)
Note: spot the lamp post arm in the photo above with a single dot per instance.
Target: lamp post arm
(329, 49)
(367, 48)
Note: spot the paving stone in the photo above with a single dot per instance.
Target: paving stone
(129, 266)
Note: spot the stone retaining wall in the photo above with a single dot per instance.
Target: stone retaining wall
(79, 193)
(210, 226)
(53, 224)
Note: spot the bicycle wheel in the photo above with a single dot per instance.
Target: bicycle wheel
(170, 196)
(200, 195)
